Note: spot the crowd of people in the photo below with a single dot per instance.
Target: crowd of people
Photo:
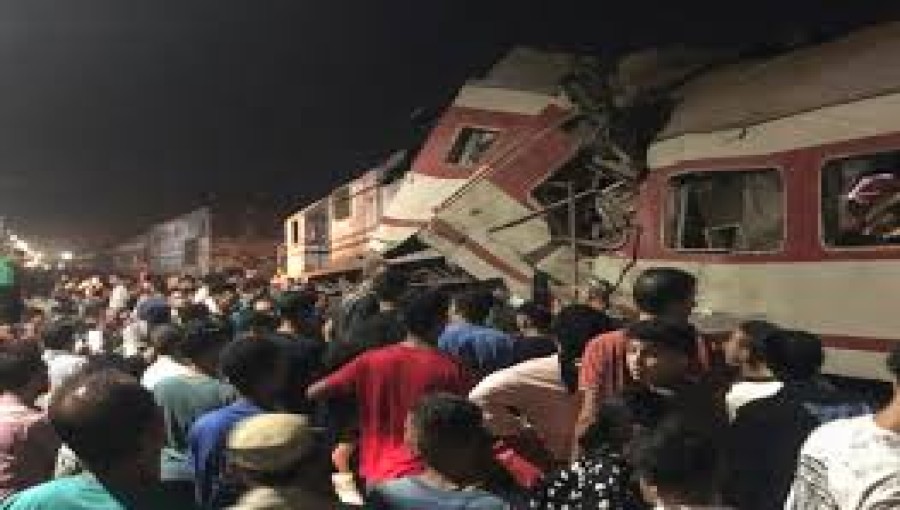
(232, 391)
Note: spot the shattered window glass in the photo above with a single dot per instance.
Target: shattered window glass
(470, 145)
(861, 200)
(732, 211)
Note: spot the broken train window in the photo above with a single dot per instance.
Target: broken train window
(470, 145)
(734, 211)
(861, 200)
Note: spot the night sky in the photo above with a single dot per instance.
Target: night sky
(118, 113)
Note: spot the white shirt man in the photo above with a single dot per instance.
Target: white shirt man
(848, 464)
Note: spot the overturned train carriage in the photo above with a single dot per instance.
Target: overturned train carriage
(786, 208)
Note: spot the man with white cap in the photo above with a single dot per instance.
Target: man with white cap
(276, 455)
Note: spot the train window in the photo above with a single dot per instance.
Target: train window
(861, 200)
(192, 252)
(733, 211)
(470, 145)
(341, 203)
(295, 232)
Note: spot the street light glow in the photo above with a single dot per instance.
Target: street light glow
(66, 255)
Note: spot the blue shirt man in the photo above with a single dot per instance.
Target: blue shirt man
(207, 441)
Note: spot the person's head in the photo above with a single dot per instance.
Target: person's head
(193, 311)
(60, 335)
(22, 369)
(893, 366)
(660, 352)
(131, 365)
(251, 288)
(473, 306)
(111, 422)
(746, 346)
(278, 450)
(201, 343)
(599, 293)
(178, 299)
(794, 355)
(255, 367)
(155, 310)
(532, 317)
(389, 286)
(260, 323)
(297, 311)
(613, 428)
(426, 315)
(676, 465)
(665, 292)
(573, 327)
(448, 433)
(379, 330)
(224, 294)
(165, 339)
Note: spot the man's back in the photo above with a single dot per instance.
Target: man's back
(183, 400)
(387, 383)
(767, 434)
(851, 463)
(84, 492)
(206, 441)
(484, 350)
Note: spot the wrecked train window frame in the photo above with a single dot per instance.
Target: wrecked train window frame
(457, 142)
(822, 165)
(335, 200)
(667, 212)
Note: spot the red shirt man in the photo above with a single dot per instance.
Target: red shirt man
(388, 382)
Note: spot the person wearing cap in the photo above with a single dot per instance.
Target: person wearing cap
(277, 456)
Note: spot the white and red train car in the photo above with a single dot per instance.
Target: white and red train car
(331, 237)
(775, 181)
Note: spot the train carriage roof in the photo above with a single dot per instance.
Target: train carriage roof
(859, 66)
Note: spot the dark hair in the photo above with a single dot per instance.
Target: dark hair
(759, 333)
(379, 330)
(20, 362)
(193, 311)
(657, 289)
(474, 306)
(794, 355)
(165, 338)
(254, 284)
(426, 313)
(612, 427)
(677, 336)
(217, 287)
(680, 459)
(390, 285)
(201, 337)
(132, 365)
(101, 416)
(60, 335)
(445, 422)
(246, 362)
(539, 316)
(260, 322)
(295, 306)
(893, 362)
(574, 327)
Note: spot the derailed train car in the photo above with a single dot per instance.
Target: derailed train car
(775, 180)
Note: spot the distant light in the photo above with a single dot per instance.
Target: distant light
(13, 238)
(66, 255)
(22, 245)
(38, 255)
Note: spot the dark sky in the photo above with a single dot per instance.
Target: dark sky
(117, 113)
